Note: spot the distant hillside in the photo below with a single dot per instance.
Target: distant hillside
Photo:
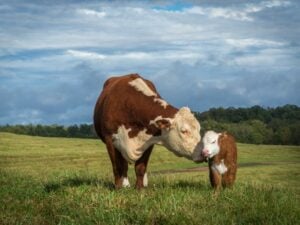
(255, 125)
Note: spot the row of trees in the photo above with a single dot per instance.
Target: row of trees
(255, 125)
(266, 115)
(257, 132)
(78, 131)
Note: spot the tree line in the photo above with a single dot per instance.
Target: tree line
(73, 131)
(256, 125)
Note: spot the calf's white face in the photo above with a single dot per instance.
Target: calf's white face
(183, 136)
(210, 144)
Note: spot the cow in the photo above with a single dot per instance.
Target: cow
(130, 117)
(221, 151)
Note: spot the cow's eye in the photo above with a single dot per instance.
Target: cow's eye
(213, 142)
(184, 131)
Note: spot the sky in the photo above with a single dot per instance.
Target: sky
(56, 55)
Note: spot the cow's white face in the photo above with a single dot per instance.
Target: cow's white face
(210, 144)
(183, 135)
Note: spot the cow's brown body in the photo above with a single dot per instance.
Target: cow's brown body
(141, 113)
(119, 104)
(228, 156)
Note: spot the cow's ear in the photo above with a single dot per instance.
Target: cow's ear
(163, 124)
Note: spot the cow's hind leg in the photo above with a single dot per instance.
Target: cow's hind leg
(140, 169)
(119, 165)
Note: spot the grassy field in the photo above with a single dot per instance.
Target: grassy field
(69, 181)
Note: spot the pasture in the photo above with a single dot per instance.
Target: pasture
(69, 181)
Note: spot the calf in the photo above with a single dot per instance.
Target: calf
(221, 151)
(130, 117)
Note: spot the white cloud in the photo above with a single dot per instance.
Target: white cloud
(123, 27)
(253, 8)
(236, 13)
(271, 60)
(46, 63)
(144, 57)
(252, 42)
(228, 13)
(86, 55)
(275, 3)
(90, 12)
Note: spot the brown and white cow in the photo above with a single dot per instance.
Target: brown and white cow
(130, 117)
(221, 151)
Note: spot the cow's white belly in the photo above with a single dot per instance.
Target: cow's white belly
(132, 148)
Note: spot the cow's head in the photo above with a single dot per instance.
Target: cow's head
(181, 134)
(210, 144)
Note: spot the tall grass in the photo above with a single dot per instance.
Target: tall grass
(69, 181)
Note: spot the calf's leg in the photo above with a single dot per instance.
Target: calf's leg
(215, 178)
(229, 177)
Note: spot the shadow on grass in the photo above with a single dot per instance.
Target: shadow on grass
(77, 182)
(182, 185)
(190, 184)
(81, 181)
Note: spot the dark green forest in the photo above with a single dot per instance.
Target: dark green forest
(256, 125)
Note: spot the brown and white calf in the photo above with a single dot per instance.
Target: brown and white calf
(221, 151)
(130, 117)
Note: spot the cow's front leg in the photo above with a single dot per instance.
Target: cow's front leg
(125, 181)
(140, 169)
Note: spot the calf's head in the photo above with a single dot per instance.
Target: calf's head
(181, 134)
(210, 144)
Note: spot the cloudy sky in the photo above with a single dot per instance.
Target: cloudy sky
(55, 55)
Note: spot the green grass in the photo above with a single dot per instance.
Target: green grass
(69, 181)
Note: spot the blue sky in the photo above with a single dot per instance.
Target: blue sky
(55, 55)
